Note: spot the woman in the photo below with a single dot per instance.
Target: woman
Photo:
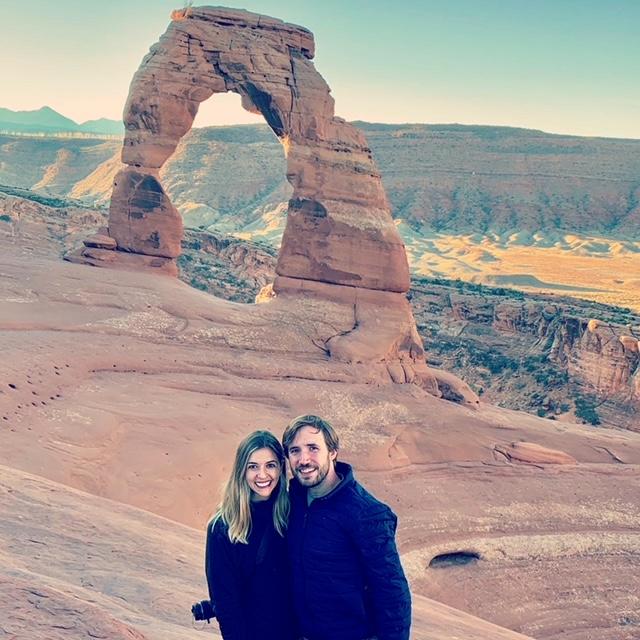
(246, 560)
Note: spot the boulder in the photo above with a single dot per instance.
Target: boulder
(100, 241)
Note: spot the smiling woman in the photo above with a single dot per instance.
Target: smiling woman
(263, 473)
(245, 545)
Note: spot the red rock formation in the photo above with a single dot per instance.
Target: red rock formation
(339, 227)
(340, 243)
(603, 355)
(606, 360)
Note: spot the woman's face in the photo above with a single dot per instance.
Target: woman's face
(262, 474)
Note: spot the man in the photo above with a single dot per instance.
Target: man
(348, 583)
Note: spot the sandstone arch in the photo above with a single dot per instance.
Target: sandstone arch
(339, 226)
(340, 242)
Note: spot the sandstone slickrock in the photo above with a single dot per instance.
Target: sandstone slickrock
(125, 573)
(32, 610)
(137, 388)
(532, 453)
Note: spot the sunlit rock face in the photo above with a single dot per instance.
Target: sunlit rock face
(607, 360)
(339, 227)
(603, 355)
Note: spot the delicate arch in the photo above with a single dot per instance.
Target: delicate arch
(339, 227)
(340, 243)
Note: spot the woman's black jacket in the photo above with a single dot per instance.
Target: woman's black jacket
(251, 600)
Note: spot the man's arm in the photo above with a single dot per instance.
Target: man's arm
(388, 590)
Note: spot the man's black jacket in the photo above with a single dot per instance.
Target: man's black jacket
(348, 583)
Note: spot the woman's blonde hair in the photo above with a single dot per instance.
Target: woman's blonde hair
(235, 509)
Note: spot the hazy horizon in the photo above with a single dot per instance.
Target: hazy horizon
(259, 120)
(568, 68)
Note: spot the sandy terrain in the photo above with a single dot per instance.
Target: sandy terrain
(593, 268)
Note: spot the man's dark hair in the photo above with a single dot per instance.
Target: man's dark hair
(330, 436)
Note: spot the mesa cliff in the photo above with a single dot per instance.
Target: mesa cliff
(453, 179)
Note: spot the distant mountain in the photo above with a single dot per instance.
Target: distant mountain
(45, 119)
(48, 121)
(103, 125)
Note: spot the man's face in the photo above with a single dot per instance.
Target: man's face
(309, 458)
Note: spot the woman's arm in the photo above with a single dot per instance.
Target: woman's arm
(224, 578)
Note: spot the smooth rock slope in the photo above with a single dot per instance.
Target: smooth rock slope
(137, 388)
(75, 566)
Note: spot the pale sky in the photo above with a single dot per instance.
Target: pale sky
(563, 66)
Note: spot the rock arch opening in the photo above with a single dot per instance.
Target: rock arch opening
(228, 183)
(230, 179)
(224, 109)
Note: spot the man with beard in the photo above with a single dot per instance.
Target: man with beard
(348, 583)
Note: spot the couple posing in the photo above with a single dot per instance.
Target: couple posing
(317, 562)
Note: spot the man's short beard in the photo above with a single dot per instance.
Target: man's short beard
(322, 474)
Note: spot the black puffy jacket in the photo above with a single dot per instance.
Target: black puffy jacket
(252, 599)
(348, 583)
